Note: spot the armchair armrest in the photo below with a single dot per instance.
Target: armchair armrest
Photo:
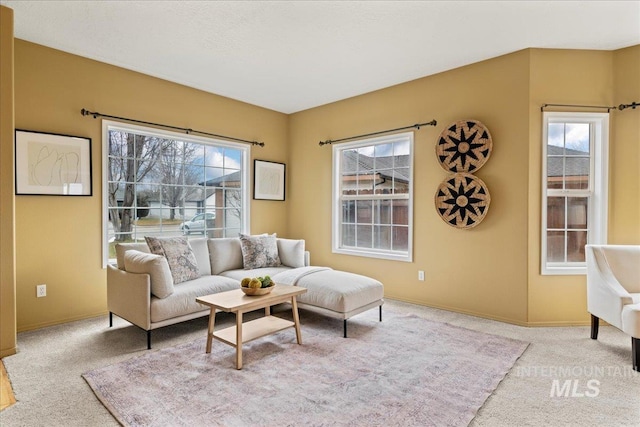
(605, 295)
(129, 296)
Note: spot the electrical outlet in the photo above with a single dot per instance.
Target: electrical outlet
(41, 291)
(421, 275)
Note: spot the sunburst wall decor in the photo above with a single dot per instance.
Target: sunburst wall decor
(462, 200)
(464, 146)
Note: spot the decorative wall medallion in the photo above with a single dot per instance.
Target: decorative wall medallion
(464, 146)
(462, 200)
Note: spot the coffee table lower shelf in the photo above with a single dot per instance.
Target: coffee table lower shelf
(253, 329)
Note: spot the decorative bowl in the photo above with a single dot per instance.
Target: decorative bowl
(258, 291)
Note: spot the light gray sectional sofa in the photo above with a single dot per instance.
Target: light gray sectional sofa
(152, 290)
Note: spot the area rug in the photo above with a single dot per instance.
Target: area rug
(403, 371)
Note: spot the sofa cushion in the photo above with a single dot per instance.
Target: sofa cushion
(259, 251)
(339, 291)
(291, 252)
(182, 261)
(201, 251)
(258, 272)
(121, 248)
(225, 254)
(156, 266)
(183, 299)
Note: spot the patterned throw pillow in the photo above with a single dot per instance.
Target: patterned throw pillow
(259, 251)
(179, 255)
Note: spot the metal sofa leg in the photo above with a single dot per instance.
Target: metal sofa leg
(381, 313)
(110, 319)
(345, 328)
(595, 322)
(635, 353)
(149, 340)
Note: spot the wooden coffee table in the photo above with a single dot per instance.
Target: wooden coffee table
(237, 302)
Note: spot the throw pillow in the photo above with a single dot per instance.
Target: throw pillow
(291, 252)
(121, 248)
(259, 251)
(201, 251)
(225, 254)
(156, 266)
(182, 261)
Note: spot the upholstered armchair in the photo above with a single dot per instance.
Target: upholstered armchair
(613, 291)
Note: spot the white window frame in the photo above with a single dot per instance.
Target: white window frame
(338, 198)
(108, 125)
(597, 192)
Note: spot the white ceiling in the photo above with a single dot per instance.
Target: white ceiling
(289, 56)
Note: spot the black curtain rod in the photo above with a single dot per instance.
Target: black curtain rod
(620, 107)
(417, 126)
(188, 131)
(633, 106)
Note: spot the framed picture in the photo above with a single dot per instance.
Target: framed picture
(268, 180)
(52, 164)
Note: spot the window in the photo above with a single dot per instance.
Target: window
(373, 197)
(574, 188)
(167, 184)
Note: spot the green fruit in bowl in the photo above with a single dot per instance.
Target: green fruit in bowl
(245, 282)
(255, 284)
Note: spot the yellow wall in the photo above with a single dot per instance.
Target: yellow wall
(557, 77)
(491, 270)
(624, 193)
(7, 200)
(481, 271)
(59, 238)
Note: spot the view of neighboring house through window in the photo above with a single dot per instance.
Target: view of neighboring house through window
(373, 197)
(167, 184)
(574, 188)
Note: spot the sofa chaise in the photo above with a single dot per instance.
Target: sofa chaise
(156, 283)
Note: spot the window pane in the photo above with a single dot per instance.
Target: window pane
(555, 212)
(349, 162)
(349, 211)
(400, 238)
(365, 183)
(385, 151)
(382, 237)
(364, 234)
(555, 246)
(382, 212)
(364, 211)
(349, 235)
(577, 212)
(384, 181)
(577, 138)
(575, 246)
(401, 181)
(555, 137)
(555, 172)
(400, 212)
(577, 171)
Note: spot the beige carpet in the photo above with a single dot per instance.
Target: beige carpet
(405, 371)
(46, 374)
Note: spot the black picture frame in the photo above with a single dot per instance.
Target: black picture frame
(268, 180)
